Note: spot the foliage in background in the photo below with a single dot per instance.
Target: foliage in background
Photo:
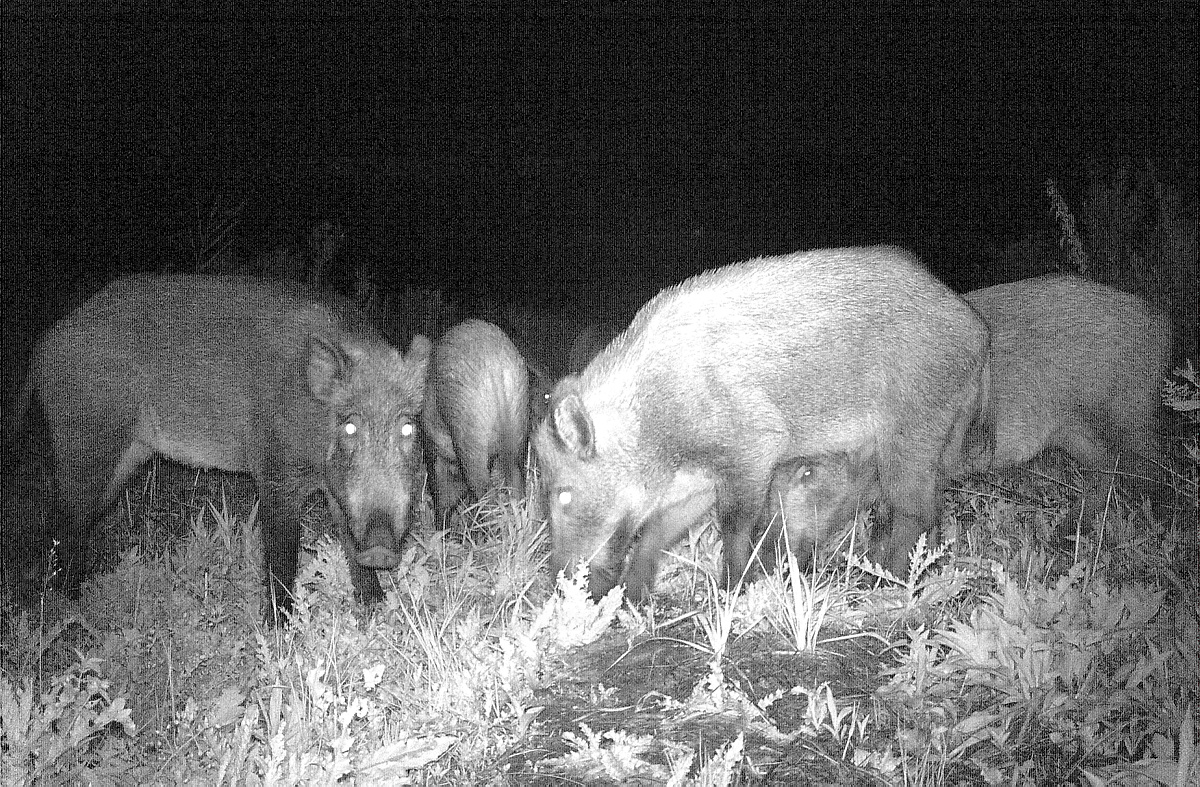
(1132, 230)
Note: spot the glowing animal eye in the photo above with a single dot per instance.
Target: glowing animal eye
(564, 497)
(408, 430)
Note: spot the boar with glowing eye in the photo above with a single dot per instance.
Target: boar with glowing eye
(721, 379)
(811, 499)
(273, 379)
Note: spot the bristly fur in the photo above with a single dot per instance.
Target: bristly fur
(477, 415)
(723, 377)
(1075, 366)
(245, 375)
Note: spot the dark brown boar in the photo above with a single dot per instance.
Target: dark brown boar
(476, 415)
(1076, 366)
(293, 387)
(720, 379)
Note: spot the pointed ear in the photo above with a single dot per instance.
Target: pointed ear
(573, 426)
(327, 369)
(418, 356)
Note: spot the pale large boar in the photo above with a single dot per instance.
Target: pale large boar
(231, 372)
(476, 415)
(1076, 366)
(720, 379)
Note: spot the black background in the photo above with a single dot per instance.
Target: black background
(567, 154)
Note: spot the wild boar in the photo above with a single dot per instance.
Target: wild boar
(476, 415)
(289, 385)
(720, 379)
(1076, 366)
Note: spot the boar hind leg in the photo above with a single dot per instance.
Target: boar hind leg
(511, 467)
(90, 473)
(1099, 484)
(476, 471)
(1142, 464)
(1102, 463)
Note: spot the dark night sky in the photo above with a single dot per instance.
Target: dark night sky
(817, 86)
(487, 148)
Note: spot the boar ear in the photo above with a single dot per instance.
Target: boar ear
(418, 354)
(328, 367)
(573, 426)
